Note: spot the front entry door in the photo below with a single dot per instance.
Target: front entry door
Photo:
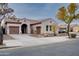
(24, 29)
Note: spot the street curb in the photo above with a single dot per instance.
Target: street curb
(5, 47)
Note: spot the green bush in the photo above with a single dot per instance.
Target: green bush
(72, 35)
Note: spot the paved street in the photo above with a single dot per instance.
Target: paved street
(70, 48)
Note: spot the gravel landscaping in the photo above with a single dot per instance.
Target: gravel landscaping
(7, 37)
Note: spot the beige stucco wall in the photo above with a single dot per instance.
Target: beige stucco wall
(43, 26)
(76, 29)
(44, 23)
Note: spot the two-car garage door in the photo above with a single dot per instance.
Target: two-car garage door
(14, 29)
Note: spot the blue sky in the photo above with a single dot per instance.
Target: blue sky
(36, 11)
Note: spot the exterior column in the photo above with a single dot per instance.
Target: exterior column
(20, 30)
(57, 29)
(29, 29)
(7, 29)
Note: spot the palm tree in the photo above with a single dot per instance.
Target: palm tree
(4, 10)
(68, 14)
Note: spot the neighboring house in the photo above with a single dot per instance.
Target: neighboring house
(75, 28)
(63, 28)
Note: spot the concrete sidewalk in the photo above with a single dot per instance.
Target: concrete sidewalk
(10, 44)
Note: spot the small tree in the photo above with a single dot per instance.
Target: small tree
(68, 14)
(54, 29)
(4, 10)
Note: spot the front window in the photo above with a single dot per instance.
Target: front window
(50, 28)
(46, 27)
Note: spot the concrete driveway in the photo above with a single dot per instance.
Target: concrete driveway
(26, 41)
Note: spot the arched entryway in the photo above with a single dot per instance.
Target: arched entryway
(3, 30)
(24, 28)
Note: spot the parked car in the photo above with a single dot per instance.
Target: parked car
(62, 31)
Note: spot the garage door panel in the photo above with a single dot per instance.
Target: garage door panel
(14, 29)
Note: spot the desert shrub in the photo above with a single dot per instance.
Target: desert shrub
(72, 35)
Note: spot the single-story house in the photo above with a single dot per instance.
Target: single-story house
(15, 25)
(73, 28)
